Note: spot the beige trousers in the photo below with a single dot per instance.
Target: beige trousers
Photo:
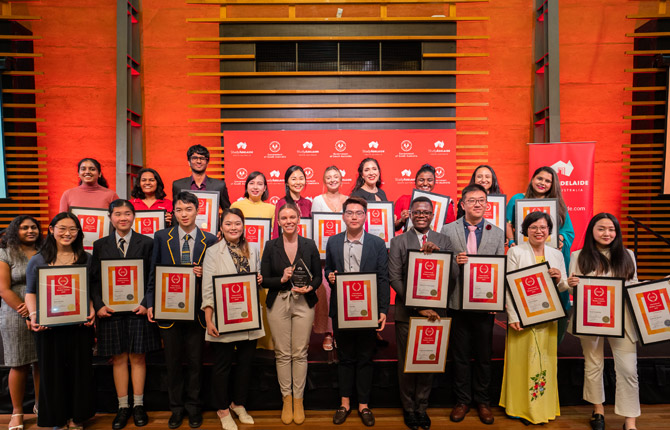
(627, 397)
(290, 320)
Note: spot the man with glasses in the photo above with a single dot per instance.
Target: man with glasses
(471, 332)
(184, 244)
(414, 387)
(355, 250)
(198, 159)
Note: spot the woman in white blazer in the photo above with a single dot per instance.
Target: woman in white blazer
(230, 256)
(604, 255)
(529, 388)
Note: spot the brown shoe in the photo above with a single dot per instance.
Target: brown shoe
(485, 414)
(459, 412)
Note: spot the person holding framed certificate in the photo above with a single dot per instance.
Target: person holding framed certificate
(604, 255)
(472, 332)
(230, 256)
(295, 181)
(355, 250)
(124, 336)
(485, 176)
(530, 386)
(149, 193)
(64, 352)
(291, 269)
(92, 192)
(184, 244)
(414, 387)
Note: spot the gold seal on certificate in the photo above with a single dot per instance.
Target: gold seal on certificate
(428, 279)
(236, 304)
(122, 283)
(62, 295)
(427, 344)
(599, 306)
(484, 283)
(650, 306)
(534, 295)
(356, 300)
(175, 293)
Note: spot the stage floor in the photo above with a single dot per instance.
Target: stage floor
(654, 417)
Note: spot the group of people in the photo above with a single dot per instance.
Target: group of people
(61, 357)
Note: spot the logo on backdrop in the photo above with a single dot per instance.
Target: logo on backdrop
(406, 145)
(275, 150)
(307, 145)
(241, 173)
(274, 200)
(439, 172)
(563, 168)
(340, 146)
(405, 177)
(274, 174)
(406, 149)
(374, 144)
(407, 173)
(275, 146)
(306, 149)
(242, 145)
(340, 150)
(240, 149)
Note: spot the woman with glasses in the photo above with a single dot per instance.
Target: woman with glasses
(92, 192)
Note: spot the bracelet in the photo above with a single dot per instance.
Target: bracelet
(32, 313)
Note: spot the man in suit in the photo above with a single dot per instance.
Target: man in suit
(471, 332)
(183, 244)
(414, 387)
(198, 159)
(355, 250)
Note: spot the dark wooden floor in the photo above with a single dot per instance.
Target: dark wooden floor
(654, 417)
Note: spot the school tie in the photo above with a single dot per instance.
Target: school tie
(186, 251)
(122, 246)
(424, 239)
(472, 240)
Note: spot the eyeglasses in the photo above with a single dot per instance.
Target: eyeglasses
(538, 228)
(358, 214)
(62, 230)
(196, 158)
(422, 213)
(472, 202)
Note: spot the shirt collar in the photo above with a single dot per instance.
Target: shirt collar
(420, 235)
(126, 237)
(182, 233)
(346, 238)
(479, 225)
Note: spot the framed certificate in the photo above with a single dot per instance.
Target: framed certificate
(236, 304)
(440, 208)
(94, 224)
(428, 279)
(175, 293)
(357, 300)
(380, 221)
(650, 305)
(149, 222)
(324, 225)
(305, 227)
(122, 283)
(62, 295)
(257, 232)
(534, 295)
(484, 283)
(495, 210)
(427, 344)
(525, 206)
(208, 210)
(599, 307)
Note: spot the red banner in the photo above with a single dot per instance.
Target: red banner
(573, 162)
(400, 154)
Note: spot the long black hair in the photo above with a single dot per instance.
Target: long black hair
(287, 175)
(243, 244)
(101, 180)
(495, 186)
(590, 260)
(137, 189)
(251, 177)
(360, 181)
(553, 193)
(50, 250)
(10, 240)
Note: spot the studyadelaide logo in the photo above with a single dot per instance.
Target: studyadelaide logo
(242, 149)
(373, 148)
(307, 149)
(565, 172)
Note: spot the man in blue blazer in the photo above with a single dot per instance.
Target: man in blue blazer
(355, 250)
(183, 244)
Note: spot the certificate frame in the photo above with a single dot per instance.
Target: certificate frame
(108, 269)
(149, 219)
(78, 282)
(495, 210)
(320, 223)
(369, 317)
(247, 283)
(440, 201)
(496, 301)
(413, 298)
(417, 328)
(386, 217)
(208, 202)
(305, 227)
(162, 310)
(524, 206)
(553, 308)
(596, 288)
(257, 231)
(639, 297)
(87, 218)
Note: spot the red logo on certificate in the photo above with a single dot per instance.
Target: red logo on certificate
(236, 303)
(483, 287)
(531, 286)
(376, 217)
(427, 283)
(89, 223)
(122, 275)
(202, 207)
(302, 230)
(251, 233)
(147, 225)
(598, 306)
(427, 269)
(331, 228)
(427, 347)
(63, 285)
(63, 295)
(598, 295)
(357, 301)
(653, 301)
(176, 283)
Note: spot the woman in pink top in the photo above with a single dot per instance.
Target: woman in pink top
(92, 191)
(149, 193)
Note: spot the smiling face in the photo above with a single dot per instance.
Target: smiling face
(333, 180)
(122, 219)
(484, 177)
(538, 232)
(28, 232)
(422, 216)
(474, 205)
(288, 220)
(232, 227)
(425, 181)
(296, 182)
(541, 183)
(88, 173)
(370, 174)
(65, 232)
(604, 233)
(198, 163)
(256, 187)
(148, 183)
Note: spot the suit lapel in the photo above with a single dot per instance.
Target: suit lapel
(485, 237)
(134, 250)
(413, 239)
(199, 247)
(173, 245)
(460, 233)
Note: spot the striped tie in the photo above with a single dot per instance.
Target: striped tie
(186, 251)
(122, 246)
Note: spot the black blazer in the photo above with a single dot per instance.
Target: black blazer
(211, 184)
(140, 246)
(373, 259)
(275, 260)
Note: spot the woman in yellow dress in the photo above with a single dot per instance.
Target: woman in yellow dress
(529, 387)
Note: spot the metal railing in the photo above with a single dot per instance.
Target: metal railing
(646, 227)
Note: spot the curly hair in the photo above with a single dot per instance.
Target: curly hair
(10, 240)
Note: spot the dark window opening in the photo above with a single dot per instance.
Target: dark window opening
(276, 57)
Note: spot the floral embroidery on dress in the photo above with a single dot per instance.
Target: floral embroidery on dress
(539, 381)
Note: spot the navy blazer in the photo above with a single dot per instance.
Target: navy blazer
(211, 184)
(374, 258)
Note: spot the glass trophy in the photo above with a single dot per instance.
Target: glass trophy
(301, 275)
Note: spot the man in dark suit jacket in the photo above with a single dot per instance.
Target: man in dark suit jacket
(355, 250)
(198, 159)
(471, 331)
(182, 337)
(414, 387)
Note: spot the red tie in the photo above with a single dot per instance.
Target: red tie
(423, 239)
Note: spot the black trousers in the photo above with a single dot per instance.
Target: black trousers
(184, 340)
(355, 349)
(414, 387)
(65, 360)
(223, 362)
(471, 337)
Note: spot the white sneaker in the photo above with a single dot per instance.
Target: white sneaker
(227, 422)
(242, 415)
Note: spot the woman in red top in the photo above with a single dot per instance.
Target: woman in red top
(149, 193)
